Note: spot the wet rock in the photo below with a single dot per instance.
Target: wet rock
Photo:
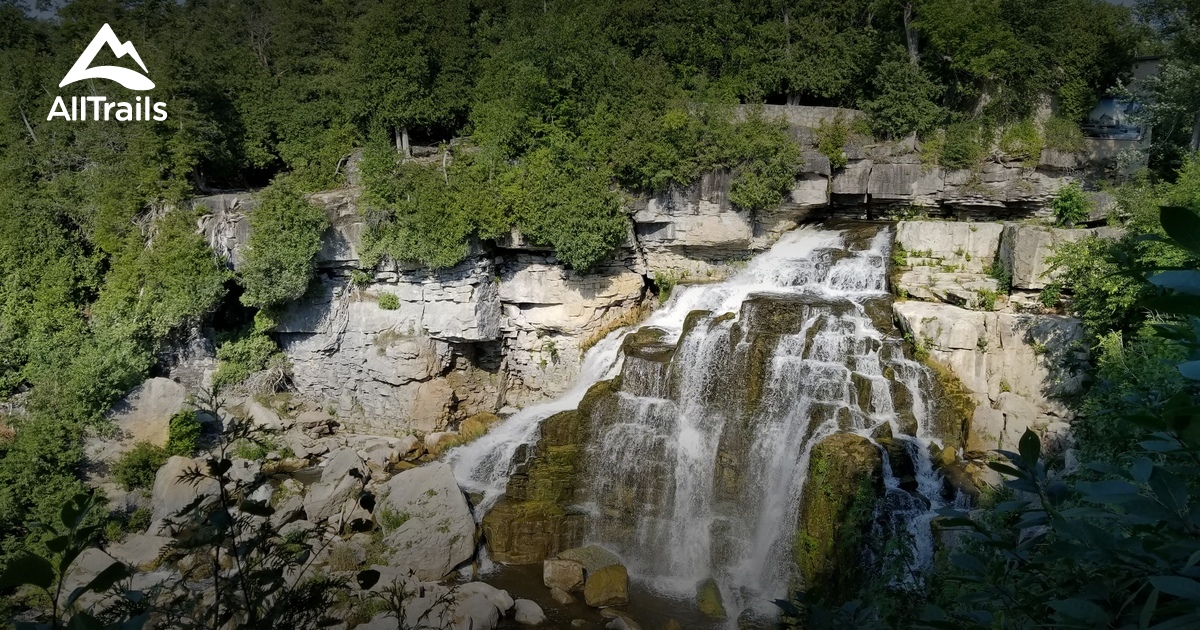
(561, 597)
(592, 557)
(608, 586)
(708, 599)
(498, 597)
(439, 532)
(672, 625)
(528, 613)
(845, 480)
(563, 574)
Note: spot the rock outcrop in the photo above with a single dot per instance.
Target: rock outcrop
(845, 480)
(1026, 249)
(1015, 365)
(946, 261)
(438, 531)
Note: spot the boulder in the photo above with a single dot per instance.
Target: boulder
(498, 597)
(328, 498)
(528, 613)
(142, 416)
(608, 586)
(1026, 249)
(845, 480)
(564, 574)
(477, 425)
(171, 494)
(437, 443)
(561, 597)
(474, 612)
(592, 557)
(708, 599)
(438, 533)
(141, 551)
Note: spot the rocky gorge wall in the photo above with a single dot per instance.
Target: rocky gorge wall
(507, 326)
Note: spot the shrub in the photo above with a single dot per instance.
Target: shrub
(183, 433)
(1071, 206)
(906, 100)
(139, 520)
(389, 301)
(767, 160)
(1023, 142)
(285, 236)
(965, 144)
(251, 350)
(1063, 135)
(832, 136)
(136, 469)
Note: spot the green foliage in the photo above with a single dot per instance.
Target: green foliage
(766, 160)
(1064, 135)
(965, 145)
(162, 281)
(1023, 142)
(285, 236)
(389, 301)
(832, 136)
(135, 470)
(72, 532)
(183, 433)
(906, 100)
(1071, 206)
(987, 299)
(251, 350)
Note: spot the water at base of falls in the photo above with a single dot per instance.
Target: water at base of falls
(698, 468)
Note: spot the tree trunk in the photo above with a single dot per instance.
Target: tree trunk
(910, 35)
(401, 134)
(1195, 144)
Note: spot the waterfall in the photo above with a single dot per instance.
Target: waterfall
(699, 467)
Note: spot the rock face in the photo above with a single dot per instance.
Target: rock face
(438, 532)
(535, 520)
(171, 494)
(608, 586)
(946, 261)
(1014, 365)
(142, 416)
(1025, 251)
(334, 495)
(845, 479)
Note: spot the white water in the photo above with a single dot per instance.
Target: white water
(690, 478)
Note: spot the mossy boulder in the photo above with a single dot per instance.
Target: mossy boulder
(708, 599)
(845, 483)
(535, 520)
(648, 343)
(608, 586)
(476, 425)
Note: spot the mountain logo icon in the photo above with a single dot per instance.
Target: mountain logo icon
(126, 77)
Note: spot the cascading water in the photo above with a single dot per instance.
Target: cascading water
(698, 467)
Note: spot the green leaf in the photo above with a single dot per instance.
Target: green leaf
(1141, 470)
(1182, 281)
(1183, 226)
(27, 569)
(1081, 609)
(1190, 370)
(1177, 586)
(1031, 448)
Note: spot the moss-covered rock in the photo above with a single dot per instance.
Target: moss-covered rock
(535, 520)
(608, 586)
(648, 343)
(708, 599)
(845, 482)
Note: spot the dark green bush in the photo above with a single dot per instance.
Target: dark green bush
(183, 434)
(965, 145)
(832, 136)
(136, 469)
(250, 350)
(285, 235)
(1071, 206)
(1064, 135)
(389, 301)
(1023, 142)
(906, 100)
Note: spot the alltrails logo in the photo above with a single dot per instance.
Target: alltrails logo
(101, 109)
